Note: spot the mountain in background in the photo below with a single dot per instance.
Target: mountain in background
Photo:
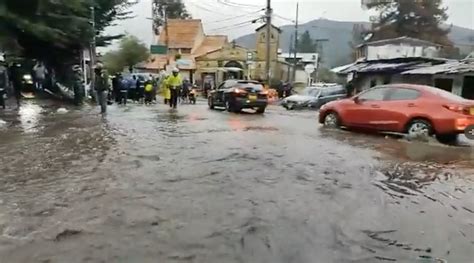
(337, 50)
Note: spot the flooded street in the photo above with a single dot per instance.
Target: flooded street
(144, 184)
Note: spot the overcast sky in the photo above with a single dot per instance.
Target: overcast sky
(212, 12)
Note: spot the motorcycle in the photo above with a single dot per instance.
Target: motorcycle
(27, 86)
(3, 97)
(192, 96)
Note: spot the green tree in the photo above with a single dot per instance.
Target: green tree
(358, 33)
(422, 19)
(57, 31)
(306, 44)
(131, 52)
(174, 9)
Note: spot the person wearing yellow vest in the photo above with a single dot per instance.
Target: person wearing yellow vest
(164, 89)
(174, 83)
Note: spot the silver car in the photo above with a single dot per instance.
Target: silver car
(314, 97)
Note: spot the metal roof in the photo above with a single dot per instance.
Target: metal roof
(404, 39)
(388, 65)
(456, 67)
(367, 67)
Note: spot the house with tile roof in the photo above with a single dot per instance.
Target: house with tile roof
(200, 56)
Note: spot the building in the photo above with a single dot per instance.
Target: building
(366, 74)
(302, 60)
(200, 56)
(397, 48)
(455, 76)
(384, 61)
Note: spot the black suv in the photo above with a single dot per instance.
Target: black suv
(236, 95)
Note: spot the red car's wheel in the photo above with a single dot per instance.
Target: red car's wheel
(332, 120)
(419, 128)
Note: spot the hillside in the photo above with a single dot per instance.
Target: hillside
(337, 51)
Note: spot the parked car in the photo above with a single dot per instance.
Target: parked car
(315, 96)
(403, 108)
(236, 95)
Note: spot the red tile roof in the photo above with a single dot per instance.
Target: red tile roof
(182, 33)
(210, 44)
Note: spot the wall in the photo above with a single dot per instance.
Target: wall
(399, 51)
(262, 46)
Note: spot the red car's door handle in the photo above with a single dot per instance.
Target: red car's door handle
(375, 106)
(411, 105)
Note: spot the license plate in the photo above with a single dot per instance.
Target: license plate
(471, 111)
(252, 97)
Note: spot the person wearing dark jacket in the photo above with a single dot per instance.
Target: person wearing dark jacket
(3, 81)
(15, 78)
(124, 85)
(101, 86)
(78, 85)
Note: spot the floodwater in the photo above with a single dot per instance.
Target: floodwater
(144, 184)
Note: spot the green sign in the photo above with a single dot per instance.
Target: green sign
(158, 49)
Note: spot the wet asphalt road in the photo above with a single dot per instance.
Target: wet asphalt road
(144, 184)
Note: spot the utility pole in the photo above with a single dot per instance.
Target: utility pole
(93, 51)
(295, 61)
(165, 16)
(289, 57)
(269, 32)
(320, 53)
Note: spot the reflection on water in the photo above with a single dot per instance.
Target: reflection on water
(29, 116)
(431, 151)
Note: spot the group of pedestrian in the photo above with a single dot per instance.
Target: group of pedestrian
(10, 81)
(136, 88)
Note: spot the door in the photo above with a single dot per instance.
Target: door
(365, 110)
(399, 105)
(217, 94)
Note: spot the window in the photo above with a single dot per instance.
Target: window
(254, 86)
(373, 94)
(403, 94)
(373, 83)
(229, 84)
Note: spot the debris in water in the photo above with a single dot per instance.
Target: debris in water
(62, 110)
(66, 234)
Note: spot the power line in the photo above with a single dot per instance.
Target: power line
(232, 18)
(284, 18)
(236, 5)
(253, 21)
(214, 11)
(235, 27)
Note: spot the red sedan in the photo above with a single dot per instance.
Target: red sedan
(403, 108)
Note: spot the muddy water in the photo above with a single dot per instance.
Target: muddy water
(147, 185)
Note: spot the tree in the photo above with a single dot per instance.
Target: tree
(306, 44)
(174, 9)
(57, 31)
(358, 33)
(422, 19)
(131, 52)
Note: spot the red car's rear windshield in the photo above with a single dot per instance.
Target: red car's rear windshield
(447, 95)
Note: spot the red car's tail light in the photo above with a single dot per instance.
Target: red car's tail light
(457, 108)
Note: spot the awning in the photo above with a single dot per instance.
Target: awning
(457, 67)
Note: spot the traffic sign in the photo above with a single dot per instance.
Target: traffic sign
(158, 49)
